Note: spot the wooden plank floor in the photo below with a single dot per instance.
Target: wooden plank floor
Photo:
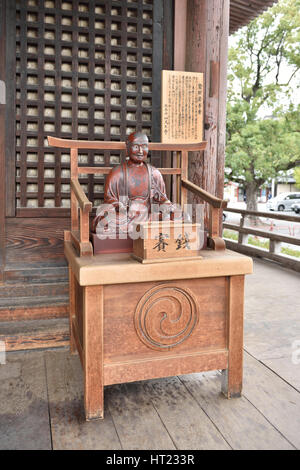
(41, 393)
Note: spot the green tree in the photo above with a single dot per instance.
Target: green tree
(297, 176)
(265, 52)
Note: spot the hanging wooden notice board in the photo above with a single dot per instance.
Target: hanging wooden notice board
(182, 107)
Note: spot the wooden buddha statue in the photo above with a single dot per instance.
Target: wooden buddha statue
(132, 189)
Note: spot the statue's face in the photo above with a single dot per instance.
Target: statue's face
(138, 147)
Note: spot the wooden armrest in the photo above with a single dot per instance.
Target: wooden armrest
(83, 248)
(84, 204)
(207, 197)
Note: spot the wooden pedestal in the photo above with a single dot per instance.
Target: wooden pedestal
(131, 321)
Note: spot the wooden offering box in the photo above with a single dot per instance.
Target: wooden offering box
(160, 241)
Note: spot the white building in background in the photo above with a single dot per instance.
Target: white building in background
(285, 183)
(231, 192)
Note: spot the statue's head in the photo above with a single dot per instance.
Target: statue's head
(137, 146)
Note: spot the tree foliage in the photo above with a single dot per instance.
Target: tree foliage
(297, 177)
(263, 72)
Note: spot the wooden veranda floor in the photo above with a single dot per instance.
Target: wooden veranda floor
(41, 392)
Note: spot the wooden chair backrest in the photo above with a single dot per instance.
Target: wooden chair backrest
(181, 149)
(80, 226)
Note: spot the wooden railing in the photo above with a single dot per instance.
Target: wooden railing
(79, 234)
(275, 239)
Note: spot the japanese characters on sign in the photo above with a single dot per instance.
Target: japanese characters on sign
(182, 107)
(182, 242)
(162, 244)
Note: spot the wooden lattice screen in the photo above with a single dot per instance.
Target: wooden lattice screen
(85, 69)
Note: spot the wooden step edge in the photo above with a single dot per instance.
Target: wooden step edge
(34, 313)
(27, 289)
(36, 340)
(56, 274)
(33, 301)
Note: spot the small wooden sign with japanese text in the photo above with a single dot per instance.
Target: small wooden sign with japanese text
(166, 240)
(182, 107)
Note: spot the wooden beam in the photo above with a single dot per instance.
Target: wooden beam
(74, 203)
(233, 377)
(215, 242)
(158, 367)
(84, 204)
(75, 332)
(104, 170)
(196, 37)
(110, 145)
(56, 338)
(95, 170)
(168, 35)
(2, 138)
(242, 11)
(157, 66)
(19, 313)
(257, 5)
(158, 158)
(222, 93)
(207, 197)
(184, 167)
(83, 248)
(38, 212)
(268, 215)
(264, 234)
(180, 15)
(93, 352)
(10, 112)
(206, 52)
(72, 306)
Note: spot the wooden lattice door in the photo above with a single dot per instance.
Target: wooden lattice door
(84, 69)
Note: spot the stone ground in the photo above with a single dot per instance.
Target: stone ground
(41, 394)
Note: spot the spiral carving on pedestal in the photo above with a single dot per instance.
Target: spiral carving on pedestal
(165, 316)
